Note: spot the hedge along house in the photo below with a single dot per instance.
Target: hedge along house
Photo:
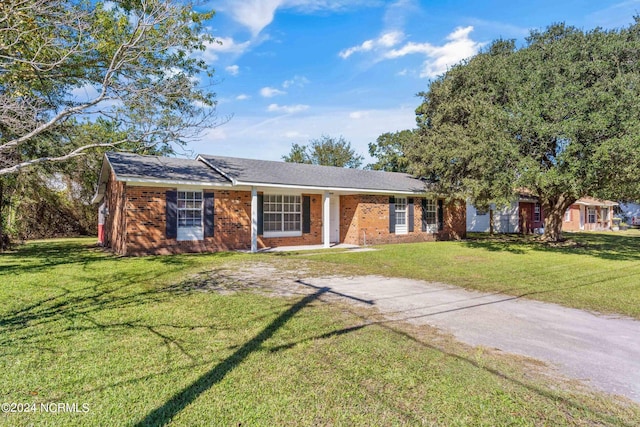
(161, 205)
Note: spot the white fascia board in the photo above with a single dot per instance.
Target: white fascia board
(336, 189)
(597, 204)
(220, 171)
(102, 181)
(169, 182)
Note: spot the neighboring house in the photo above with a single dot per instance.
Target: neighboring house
(527, 216)
(589, 214)
(522, 215)
(158, 205)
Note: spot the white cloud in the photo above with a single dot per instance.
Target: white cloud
(288, 109)
(270, 92)
(439, 58)
(358, 114)
(255, 15)
(386, 40)
(294, 134)
(223, 45)
(233, 70)
(242, 97)
(299, 81)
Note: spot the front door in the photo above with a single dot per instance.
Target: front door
(334, 222)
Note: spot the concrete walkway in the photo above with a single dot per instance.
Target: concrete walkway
(602, 351)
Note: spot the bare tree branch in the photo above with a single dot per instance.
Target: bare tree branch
(136, 66)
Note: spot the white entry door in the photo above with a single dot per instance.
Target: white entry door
(334, 222)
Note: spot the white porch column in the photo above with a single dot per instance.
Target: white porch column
(326, 220)
(254, 220)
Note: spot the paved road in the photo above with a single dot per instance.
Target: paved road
(603, 351)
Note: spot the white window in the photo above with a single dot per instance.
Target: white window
(591, 215)
(401, 215)
(536, 212)
(282, 215)
(430, 216)
(567, 215)
(604, 214)
(190, 215)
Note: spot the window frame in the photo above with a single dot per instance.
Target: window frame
(591, 209)
(567, 215)
(604, 214)
(431, 212)
(271, 205)
(537, 212)
(192, 231)
(402, 215)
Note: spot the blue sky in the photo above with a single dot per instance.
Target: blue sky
(288, 71)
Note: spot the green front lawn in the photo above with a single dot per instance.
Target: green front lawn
(593, 271)
(140, 342)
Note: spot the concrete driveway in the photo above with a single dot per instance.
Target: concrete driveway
(600, 350)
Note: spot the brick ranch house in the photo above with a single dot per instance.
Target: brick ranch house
(161, 205)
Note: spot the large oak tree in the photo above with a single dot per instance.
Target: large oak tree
(559, 116)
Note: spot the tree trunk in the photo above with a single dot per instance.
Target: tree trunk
(554, 209)
(491, 221)
(553, 226)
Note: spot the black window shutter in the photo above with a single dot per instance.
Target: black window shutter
(306, 214)
(424, 214)
(410, 214)
(440, 215)
(392, 214)
(172, 214)
(208, 214)
(260, 214)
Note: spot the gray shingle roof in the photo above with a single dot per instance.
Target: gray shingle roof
(136, 166)
(281, 173)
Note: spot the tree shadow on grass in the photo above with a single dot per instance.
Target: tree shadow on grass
(610, 246)
(39, 256)
(172, 407)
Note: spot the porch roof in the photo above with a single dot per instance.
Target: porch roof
(591, 201)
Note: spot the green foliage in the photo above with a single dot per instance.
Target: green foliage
(559, 116)
(326, 151)
(389, 150)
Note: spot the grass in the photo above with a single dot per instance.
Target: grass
(593, 271)
(140, 343)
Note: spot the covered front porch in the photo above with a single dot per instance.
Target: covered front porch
(330, 228)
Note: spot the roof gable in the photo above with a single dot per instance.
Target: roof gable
(132, 167)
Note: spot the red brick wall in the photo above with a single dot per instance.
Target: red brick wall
(146, 223)
(115, 229)
(136, 224)
(574, 219)
(368, 215)
(455, 221)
